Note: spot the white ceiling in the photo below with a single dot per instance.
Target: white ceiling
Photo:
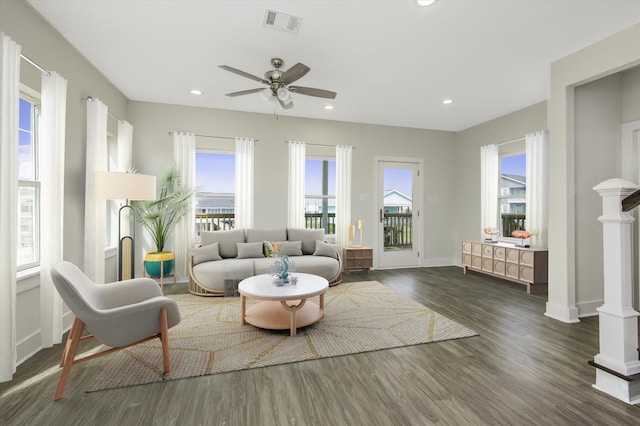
(391, 62)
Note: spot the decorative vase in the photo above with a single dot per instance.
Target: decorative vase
(159, 264)
(284, 272)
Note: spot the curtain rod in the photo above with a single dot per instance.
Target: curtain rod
(217, 137)
(511, 141)
(90, 99)
(518, 139)
(321, 145)
(32, 62)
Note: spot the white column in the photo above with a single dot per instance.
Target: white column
(618, 319)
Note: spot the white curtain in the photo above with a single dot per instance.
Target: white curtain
(537, 214)
(95, 208)
(295, 216)
(244, 183)
(51, 147)
(489, 170)
(125, 146)
(343, 194)
(10, 94)
(184, 152)
(124, 164)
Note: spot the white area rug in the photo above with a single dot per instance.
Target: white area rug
(359, 317)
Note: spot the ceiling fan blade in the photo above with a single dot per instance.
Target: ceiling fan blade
(287, 105)
(244, 74)
(294, 73)
(244, 92)
(311, 91)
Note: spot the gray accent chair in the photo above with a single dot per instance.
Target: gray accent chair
(119, 315)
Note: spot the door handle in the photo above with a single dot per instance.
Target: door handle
(381, 215)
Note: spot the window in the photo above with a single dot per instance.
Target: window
(28, 254)
(215, 198)
(512, 201)
(320, 194)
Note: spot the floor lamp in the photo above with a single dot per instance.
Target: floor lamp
(125, 186)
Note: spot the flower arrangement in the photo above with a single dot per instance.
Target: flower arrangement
(523, 235)
(491, 233)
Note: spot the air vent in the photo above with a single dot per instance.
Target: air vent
(282, 21)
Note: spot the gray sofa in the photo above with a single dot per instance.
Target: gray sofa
(225, 258)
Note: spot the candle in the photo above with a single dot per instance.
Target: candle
(360, 224)
(352, 232)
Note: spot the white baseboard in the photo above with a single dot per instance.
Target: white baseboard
(28, 347)
(589, 309)
(438, 261)
(562, 313)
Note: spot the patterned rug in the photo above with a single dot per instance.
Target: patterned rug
(359, 317)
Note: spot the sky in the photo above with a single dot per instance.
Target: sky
(398, 179)
(218, 172)
(514, 165)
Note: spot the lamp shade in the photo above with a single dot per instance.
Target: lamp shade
(125, 186)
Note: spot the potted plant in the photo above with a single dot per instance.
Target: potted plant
(161, 216)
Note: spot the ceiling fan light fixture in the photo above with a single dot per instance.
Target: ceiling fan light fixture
(283, 94)
(267, 94)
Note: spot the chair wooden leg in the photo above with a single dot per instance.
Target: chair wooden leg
(68, 342)
(164, 338)
(69, 354)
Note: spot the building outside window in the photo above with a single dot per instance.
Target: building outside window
(28, 254)
(215, 198)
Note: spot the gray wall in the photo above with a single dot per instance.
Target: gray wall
(451, 160)
(153, 151)
(49, 49)
(601, 107)
(467, 164)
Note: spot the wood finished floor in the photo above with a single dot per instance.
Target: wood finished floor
(522, 369)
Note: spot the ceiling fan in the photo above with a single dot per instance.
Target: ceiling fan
(278, 83)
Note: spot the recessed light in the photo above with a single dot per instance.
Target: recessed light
(425, 2)
(328, 107)
(447, 101)
(195, 92)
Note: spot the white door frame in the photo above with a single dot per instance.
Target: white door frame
(630, 170)
(418, 203)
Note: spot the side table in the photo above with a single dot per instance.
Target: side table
(358, 258)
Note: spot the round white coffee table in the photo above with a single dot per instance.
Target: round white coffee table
(283, 307)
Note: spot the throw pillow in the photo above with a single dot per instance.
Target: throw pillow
(291, 248)
(307, 236)
(256, 234)
(205, 253)
(326, 249)
(226, 239)
(271, 248)
(250, 250)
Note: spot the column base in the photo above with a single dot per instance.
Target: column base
(623, 389)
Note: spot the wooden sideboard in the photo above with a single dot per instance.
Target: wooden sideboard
(358, 258)
(526, 266)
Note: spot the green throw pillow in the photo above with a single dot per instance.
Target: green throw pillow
(271, 248)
